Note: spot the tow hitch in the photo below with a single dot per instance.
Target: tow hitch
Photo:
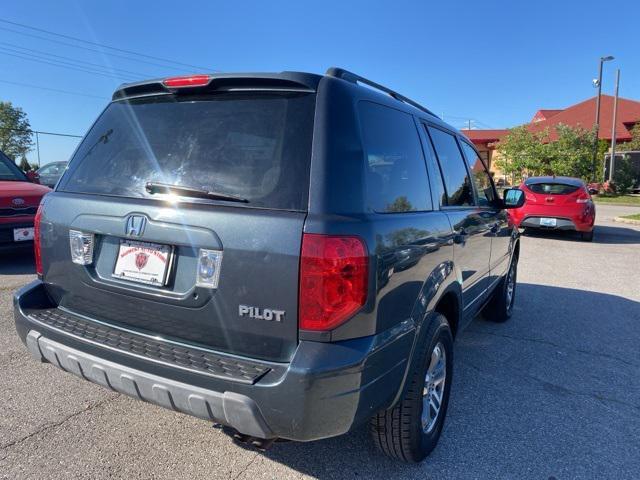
(261, 444)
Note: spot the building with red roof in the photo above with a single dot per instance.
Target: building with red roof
(582, 114)
(544, 115)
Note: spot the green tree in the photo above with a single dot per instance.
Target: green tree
(531, 153)
(624, 174)
(571, 154)
(15, 131)
(634, 144)
(522, 152)
(24, 164)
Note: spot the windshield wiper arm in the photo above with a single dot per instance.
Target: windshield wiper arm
(156, 187)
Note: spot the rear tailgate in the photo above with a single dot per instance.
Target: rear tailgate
(259, 268)
(251, 145)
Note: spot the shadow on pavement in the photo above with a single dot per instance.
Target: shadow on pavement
(604, 234)
(518, 380)
(17, 263)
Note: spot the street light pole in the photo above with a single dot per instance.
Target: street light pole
(597, 124)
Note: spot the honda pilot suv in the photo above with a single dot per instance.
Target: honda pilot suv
(288, 255)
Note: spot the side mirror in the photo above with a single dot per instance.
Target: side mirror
(513, 198)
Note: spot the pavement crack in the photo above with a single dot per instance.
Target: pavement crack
(556, 345)
(246, 467)
(562, 390)
(49, 426)
(556, 389)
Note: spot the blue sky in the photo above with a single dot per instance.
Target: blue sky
(496, 62)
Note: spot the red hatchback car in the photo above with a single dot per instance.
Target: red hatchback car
(19, 200)
(556, 203)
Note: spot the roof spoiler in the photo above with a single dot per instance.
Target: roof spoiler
(285, 81)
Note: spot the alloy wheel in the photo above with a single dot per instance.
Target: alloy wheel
(433, 391)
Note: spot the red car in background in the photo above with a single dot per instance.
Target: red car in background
(556, 203)
(19, 200)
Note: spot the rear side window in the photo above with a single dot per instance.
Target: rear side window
(481, 178)
(459, 191)
(396, 173)
(251, 145)
(9, 171)
(551, 188)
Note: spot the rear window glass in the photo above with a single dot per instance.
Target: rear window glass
(396, 173)
(9, 170)
(552, 188)
(251, 145)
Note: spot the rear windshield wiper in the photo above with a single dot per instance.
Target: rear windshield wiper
(156, 187)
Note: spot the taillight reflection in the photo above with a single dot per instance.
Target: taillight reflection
(37, 250)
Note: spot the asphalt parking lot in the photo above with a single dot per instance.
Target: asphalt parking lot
(554, 393)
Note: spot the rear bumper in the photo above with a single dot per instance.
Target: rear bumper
(562, 223)
(326, 389)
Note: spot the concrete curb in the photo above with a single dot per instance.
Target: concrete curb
(626, 220)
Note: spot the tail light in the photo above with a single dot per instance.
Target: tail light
(37, 250)
(528, 194)
(583, 197)
(334, 277)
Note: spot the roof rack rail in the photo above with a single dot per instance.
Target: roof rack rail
(355, 78)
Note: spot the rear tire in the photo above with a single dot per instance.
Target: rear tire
(587, 236)
(500, 307)
(410, 430)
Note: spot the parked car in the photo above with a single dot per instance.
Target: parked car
(33, 176)
(594, 188)
(51, 172)
(556, 203)
(290, 255)
(19, 200)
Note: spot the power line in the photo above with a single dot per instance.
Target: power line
(130, 52)
(65, 63)
(40, 53)
(45, 133)
(39, 87)
(58, 64)
(91, 49)
(467, 120)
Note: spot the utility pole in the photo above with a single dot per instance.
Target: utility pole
(598, 83)
(38, 148)
(613, 128)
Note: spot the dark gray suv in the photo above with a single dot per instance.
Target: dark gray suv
(289, 255)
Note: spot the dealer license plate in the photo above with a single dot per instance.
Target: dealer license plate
(143, 262)
(22, 234)
(547, 222)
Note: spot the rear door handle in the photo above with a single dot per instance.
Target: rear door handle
(495, 228)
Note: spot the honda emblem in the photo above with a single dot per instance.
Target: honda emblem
(135, 225)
